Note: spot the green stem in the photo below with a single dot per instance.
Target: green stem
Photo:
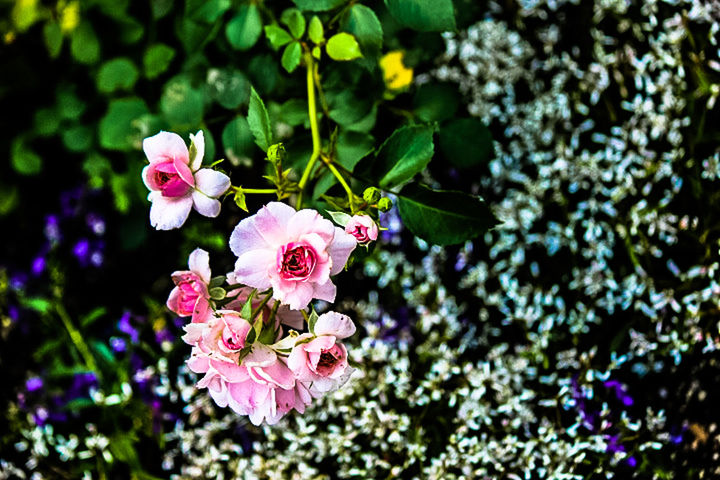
(259, 308)
(257, 190)
(310, 67)
(77, 339)
(344, 184)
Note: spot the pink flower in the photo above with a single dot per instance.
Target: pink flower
(362, 228)
(294, 252)
(323, 360)
(176, 181)
(190, 295)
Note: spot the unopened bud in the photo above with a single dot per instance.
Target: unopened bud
(371, 195)
(384, 204)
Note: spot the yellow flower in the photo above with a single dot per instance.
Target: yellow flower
(69, 16)
(397, 75)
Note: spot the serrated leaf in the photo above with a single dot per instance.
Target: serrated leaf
(423, 15)
(316, 31)
(277, 36)
(259, 121)
(343, 47)
(291, 57)
(294, 20)
(406, 153)
(443, 217)
(245, 28)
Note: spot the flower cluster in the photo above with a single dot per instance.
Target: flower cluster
(252, 355)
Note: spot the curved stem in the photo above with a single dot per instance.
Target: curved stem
(310, 67)
(257, 190)
(344, 184)
(77, 339)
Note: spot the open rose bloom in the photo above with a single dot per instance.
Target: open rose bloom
(247, 341)
(292, 252)
(176, 181)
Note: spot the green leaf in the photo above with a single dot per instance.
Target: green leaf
(206, 10)
(9, 196)
(69, 105)
(277, 36)
(230, 87)
(217, 293)
(84, 44)
(182, 105)
(423, 15)
(341, 218)
(237, 140)
(24, 160)
(240, 200)
(312, 320)
(291, 57)
(160, 8)
(294, 20)
(443, 217)
(435, 102)
(294, 112)
(53, 38)
(157, 59)
(259, 121)
(348, 107)
(406, 153)
(78, 138)
(246, 310)
(343, 46)
(91, 317)
(47, 121)
(318, 5)
(118, 129)
(466, 142)
(244, 30)
(195, 35)
(315, 30)
(98, 169)
(362, 22)
(117, 74)
(352, 147)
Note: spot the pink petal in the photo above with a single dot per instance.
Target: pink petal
(277, 373)
(211, 182)
(297, 362)
(310, 221)
(148, 173)
(199, 263)
(199, 140)
(167, 213)
(326, 291)
(231, 372)
(291, 318)
(252, 267)
(260, 356)
(204, 205)
(265, 229)
(165, 146)
(335, 324)
(296, 298)
(184, 172)
(340, 249)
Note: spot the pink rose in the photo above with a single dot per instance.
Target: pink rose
(363, 228)
(176, 181)
(294, 252)
(190, 295)
(323, 360)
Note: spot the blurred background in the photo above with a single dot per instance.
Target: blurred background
(578, 339)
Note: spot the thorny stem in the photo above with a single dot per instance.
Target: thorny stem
(311, 68)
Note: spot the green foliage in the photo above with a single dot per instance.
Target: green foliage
(291, 56)
(404, 154)
(182, 104)
(244, 29)
(118, 129)
(443, 217)
(277, 36)
(229, 87)
(316, 31)
(294, 20)
(157, 59)
(24, 160)
(466, 142)
(435, 102)
(117, 74)
(423, 15)
(259, 121)
(84, 44)
(343, 46)
(237, 140)
(362, 22)
(318, 5)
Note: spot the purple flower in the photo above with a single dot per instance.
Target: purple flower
(70, 201)
(38, 265)
(632, 461)
(163, 335)
(96, 223)
(125, 327)
(33, 384)
(14, 312)
(52, 229)
(18, 281)
(81, 250)
(119, 345)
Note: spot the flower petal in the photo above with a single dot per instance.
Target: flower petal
(167, 213)
(199, 262)
(265, 229)
(326, 291)
(340, 249)
(199, 140)
(165, 146)
(251, 268)
(335, 324)
(184, 171)
(211, 182)
(310, 221)
(204, 205)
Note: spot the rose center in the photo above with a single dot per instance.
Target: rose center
(298, 262)
(169, 182)
(231, 340)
